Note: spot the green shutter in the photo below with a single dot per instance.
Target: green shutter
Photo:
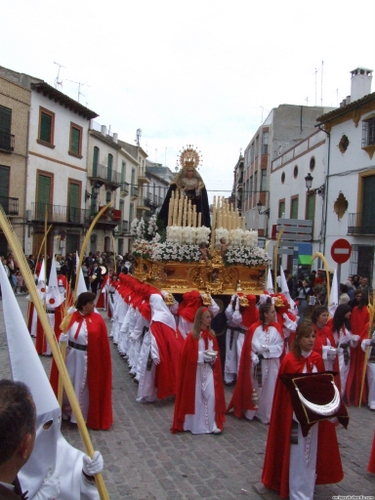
(368, 205)
(110, 163)
(4, 188)
(75, 141)
(45, 127)
(310, 207)
(44, 195)
(73, 202)
(294, 209)
(95, 161)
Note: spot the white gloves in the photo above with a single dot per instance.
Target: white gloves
(50, 488)
(156, 361)
(331, 353)
(254, 359)
(63, 338)
(367, 342)
(263, 349)
(355, 338)
(94, 465)
(209, 359)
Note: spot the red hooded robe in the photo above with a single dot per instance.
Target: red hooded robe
(276, 462)
(185, 395)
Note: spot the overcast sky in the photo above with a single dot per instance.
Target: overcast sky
(203, 72)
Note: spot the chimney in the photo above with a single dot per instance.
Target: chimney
(360, 83)
(103, 130)
(115, 138)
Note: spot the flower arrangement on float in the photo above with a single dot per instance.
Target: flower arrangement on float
(247, 256)
(182, 244)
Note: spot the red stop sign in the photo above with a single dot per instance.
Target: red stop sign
(341, 250)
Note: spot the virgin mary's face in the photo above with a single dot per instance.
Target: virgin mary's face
(190, 172)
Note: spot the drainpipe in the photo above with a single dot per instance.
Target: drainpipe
(325, 203)
(27, 223)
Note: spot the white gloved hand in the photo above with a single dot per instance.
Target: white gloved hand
(63, 338)
(331, 353)
(94, 465)
(50, 488)
(355, 338)
(207, 358)
(263, 349)
(156, 361)
(254, 359)
(367, 342)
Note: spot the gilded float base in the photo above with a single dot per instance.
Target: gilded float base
(212, 277)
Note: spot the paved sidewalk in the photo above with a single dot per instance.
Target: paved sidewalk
(143, 460)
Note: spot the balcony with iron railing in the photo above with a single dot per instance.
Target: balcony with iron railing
(58, 214)
(361, 224)
(134, 191)
(10, 205)
(101, 173)
(6, 142)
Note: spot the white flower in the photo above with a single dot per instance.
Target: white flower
(221, 232)
(133, 227)
(202, 235)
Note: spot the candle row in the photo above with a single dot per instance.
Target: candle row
(226, 216)
(181, 211)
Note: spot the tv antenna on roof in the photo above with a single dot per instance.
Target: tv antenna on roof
(80, 84)
(138, 137)
(57, 79)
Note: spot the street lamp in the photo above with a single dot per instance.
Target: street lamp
(308, 180)
(95, 192)
(320, 190)
(260, 211)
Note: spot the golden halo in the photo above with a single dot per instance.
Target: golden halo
(189, 157)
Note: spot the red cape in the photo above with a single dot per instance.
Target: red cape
(243, 391)
(371, 464)
(100, 301)
(170, 344)
(322, 334)
(185, 395)
(99, 372)
(359, 321)
(276, 462)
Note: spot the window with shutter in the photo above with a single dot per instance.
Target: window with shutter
(109, 165)
(46, 127)
(95, 161)
(294, 208)
(5, 128)
(368, 206)
(75, 147)
(73, 208)
(4, 187)
(44, 195)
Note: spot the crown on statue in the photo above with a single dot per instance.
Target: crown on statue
(190, 157)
